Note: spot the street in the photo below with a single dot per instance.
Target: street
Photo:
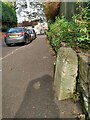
(27, 74)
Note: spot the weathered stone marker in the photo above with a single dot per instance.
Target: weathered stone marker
(65, 73)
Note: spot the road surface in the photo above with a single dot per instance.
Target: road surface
(27, 78)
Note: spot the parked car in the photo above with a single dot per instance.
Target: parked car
(17, 35)
(32, 33)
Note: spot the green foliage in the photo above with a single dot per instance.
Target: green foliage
(62, 31)
(54, 35)
(83, 21)
(75, 33)
(0, 12)
(4, 28)
(8, 15)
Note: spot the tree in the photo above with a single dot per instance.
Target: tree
(9, 18)
(29, 10)
(48, 7)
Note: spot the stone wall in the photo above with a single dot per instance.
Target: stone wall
(72, 73)
(84, 81)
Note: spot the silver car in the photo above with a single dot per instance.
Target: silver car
(32, 33)
(17, 35)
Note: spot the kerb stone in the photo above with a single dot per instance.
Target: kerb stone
(65, 73)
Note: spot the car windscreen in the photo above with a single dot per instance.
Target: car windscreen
(15, 30)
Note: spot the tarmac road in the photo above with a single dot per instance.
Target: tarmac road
(27, 78)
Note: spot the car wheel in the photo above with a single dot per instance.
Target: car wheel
(26, 41)
(8, 44)
(30, 40)
(35, 36)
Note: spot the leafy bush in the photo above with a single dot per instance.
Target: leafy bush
(54, 35)
(83, 20)
(9, 18)
(73, 33)
(62, 31)
(4, 28)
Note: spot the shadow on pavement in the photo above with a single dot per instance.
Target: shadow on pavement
(39, 101)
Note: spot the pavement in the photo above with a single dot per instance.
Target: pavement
(28, 90)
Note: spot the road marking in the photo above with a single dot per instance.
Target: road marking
(13, 52)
